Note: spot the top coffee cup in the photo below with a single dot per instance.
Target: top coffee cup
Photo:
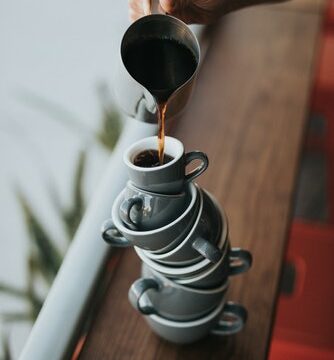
(168, 178)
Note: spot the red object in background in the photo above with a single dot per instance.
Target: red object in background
(329, 19)
(284, 350)
(304, 327)
(322, 103)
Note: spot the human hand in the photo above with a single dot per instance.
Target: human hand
(192, 11)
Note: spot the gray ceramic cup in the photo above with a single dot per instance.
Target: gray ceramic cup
(180, 272)
(169, 178)
(201, 241)
(233, 262)
(226, 319)
(156, 294)
(161, 239)
(144, 210)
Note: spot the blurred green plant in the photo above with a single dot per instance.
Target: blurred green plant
(44, 258)
(71, 216)
(5, 347)
(110, 125)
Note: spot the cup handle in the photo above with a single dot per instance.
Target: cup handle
(233, 319)
(207, 249)
(112, 236)
(240, 261)
(196, 155)
(138, 289)
(125, 209)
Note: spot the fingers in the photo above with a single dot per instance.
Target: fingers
(168, 6)
(138, 9)
(147, 7)
(190, 11)
(182, 9)
(135, 10)
(195, 11)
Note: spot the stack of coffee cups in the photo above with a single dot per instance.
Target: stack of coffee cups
(181, 235)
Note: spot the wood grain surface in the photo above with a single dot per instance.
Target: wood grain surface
(248, 114)
(313, 6)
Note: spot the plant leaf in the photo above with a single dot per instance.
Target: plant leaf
(54, 111)
(16, 317)
(112, 125)
(6, 348)
(35, 269)
(78, 201)
(49, 256)
(73, 215)
(28, 295)
(13, 291)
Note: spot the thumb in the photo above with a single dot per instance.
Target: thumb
(177, 8)
(168, 6)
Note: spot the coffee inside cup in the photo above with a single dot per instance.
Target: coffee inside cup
(150, 158)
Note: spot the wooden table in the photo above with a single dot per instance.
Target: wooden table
(248, 114)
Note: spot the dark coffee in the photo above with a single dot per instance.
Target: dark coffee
(150, 158)
(161, 66)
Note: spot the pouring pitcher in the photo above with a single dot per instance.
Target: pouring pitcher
(141, 67)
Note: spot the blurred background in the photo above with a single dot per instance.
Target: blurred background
(58, 125)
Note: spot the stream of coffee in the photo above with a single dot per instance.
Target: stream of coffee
(162, 107)
(161, 65)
